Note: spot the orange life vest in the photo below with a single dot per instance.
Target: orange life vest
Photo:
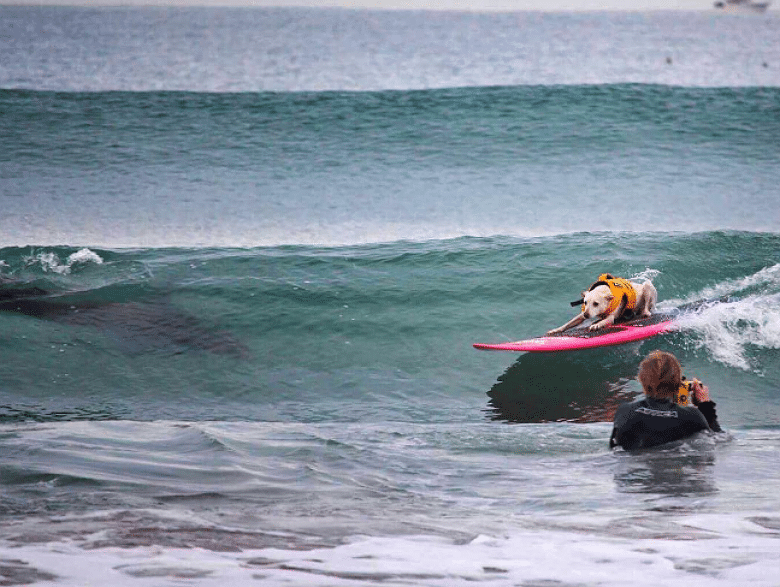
(619, 288)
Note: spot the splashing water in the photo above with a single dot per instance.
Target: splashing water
(728, 329)
(51, 262)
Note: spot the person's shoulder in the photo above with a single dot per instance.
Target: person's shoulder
(627, 411)
(691, 413)
(641, 401)
(631, 406)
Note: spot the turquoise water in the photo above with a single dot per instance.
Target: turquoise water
(244, 255)
(184, 169)
(370, 332)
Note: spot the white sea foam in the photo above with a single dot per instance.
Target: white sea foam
(747, 314)
(729, 329)
(51, 262)
(768, 277)
(84, 256)
(707, 550)
(647, 274)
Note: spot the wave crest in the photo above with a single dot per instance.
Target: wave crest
(747, 316)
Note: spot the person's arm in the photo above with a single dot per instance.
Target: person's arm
(701, 399)
(612, 439)
(620, 424)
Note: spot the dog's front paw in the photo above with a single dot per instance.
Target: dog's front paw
(596, 326)
(554, 331)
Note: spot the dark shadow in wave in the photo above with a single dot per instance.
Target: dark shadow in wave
(582, 386)
(136, 326)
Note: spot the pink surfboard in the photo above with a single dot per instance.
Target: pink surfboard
(582, 338)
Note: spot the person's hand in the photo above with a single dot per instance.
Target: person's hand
(701, 393)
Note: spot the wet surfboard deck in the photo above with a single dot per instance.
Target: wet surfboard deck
(581, 338)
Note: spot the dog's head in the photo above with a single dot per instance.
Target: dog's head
(596, 302)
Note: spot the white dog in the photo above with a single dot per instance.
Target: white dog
(610, 299)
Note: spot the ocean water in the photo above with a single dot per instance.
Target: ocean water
(244, 254)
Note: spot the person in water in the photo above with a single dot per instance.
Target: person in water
(657, 419)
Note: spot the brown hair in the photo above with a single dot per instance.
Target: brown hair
(660, 375)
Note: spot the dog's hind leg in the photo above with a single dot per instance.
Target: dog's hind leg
(646, 303)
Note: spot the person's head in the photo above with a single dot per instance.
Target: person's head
(660, 375)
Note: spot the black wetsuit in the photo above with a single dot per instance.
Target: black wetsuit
(649, 422)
